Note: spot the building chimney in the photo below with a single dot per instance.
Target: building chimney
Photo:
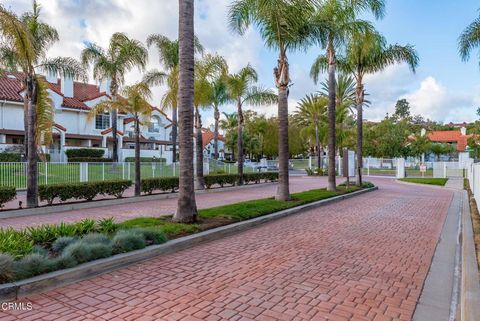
(423, 132)
(463, 130)
(105, 85)
(67, 86)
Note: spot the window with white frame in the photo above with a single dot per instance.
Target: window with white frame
(155, 124)
(102, 121)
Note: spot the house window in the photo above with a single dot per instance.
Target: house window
(155, 124)
(102, 121)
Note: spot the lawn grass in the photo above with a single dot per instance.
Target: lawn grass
(428, 181)
(227, 214)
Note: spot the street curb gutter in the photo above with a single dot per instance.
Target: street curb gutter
(57, 208)
(13, 291)
(470, 286)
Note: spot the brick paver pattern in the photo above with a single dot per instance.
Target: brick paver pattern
(364, 258)
(124, 212)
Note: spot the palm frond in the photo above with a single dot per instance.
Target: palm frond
(155, 77)
(64, 66)
(45, 113)
(258, 96)
(469, 39)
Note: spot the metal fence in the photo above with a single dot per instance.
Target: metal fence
(15, 174)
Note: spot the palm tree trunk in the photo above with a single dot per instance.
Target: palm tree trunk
(25, 128)
(174, 134)
(199, 179)
(240, 141)
(331, 118)
(137, 157)
(32, 182)
(187, 208)
(282, 80)
(360, 98)
(114, 116)
(216, 115)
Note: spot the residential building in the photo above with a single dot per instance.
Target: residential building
(209, 144)
(73, 128)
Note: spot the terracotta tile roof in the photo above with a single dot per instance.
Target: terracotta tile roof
(60, 127)
(128, 120)
(450, 136)
(208, 135)
(109, 130)
(10, 87)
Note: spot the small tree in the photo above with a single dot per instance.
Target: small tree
(132, 100)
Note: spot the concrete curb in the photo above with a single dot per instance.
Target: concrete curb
(470, 284)
(109, 202)
(15, 290)
(425, 185)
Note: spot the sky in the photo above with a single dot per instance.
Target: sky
(443, 88)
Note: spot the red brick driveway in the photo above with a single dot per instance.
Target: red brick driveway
(364, 258)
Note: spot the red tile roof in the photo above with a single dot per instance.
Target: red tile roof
(109, 130)
(128, 120)
(60, 127)
(10, 88)
(450, 136)
(208, 135)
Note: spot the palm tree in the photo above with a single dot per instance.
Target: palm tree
(187, 208)
(24, 45)
(332, 25)
(469, 39)
(283, 24)
(241, 90)
(229, 125)
(219, 96)
(208, 69)
(169, 58)
(132, 100)
(368, 53)
(310, 112)
(122, 55)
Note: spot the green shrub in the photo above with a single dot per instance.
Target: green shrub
(7, 194)
(86, 191)
(45, 235)
(107, 226)
(85, 152)
(7, 268)
(165, 184)
(231, 179)
(79, 250)
(96, 238)
(89, 160)
(64, 261)
(127, 240)
(99, 251)
(152, 236)
(85, 226)
(37, 249)
(32, 265)
(146, 160)
(62, 242)
(10, 157)
(252, 178)
(16, 243)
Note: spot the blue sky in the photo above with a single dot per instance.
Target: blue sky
(444, 88)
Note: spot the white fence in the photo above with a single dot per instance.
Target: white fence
(15, 174)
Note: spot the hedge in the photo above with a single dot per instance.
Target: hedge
(89, 160)
(17, 157)
(85, 152)
(222, 179)
(171, 183)
(86, 191)
(7, 194)
(146, 160)
(165, 184)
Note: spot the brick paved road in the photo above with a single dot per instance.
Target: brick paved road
(164, 207)
(364, 258)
